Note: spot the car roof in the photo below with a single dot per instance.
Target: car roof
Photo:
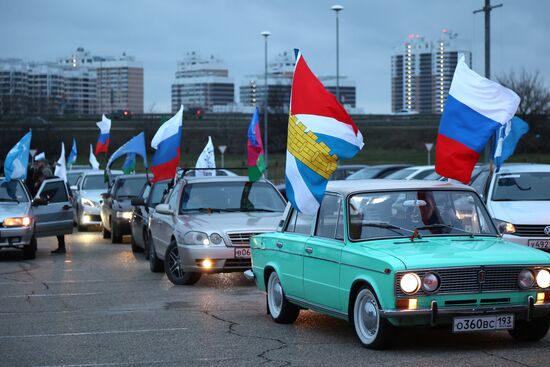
(195, 179)
(138, 175)
(350, 186)
(100, 172)
(524, 167)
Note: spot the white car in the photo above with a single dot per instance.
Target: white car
(412, 173)
(518, 199)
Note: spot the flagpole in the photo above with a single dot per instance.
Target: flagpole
(266, 34)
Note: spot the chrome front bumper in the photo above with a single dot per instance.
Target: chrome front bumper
(222, 258)
(16, 237)
(530, 310)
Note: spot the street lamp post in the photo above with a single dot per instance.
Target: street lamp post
(337, 9)
(265, 34)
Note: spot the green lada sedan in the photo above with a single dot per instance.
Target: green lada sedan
(385, 254)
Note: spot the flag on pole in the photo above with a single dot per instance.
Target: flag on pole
(102, 145)
(60, 165)
(256, 163)
(206, 160)
(320, 132)
(476, 107)
(40, 157)
(136, 145)
(129, 165)
(17, 160)
(93, 160)
(167, 143)
(507, 138)
(72, 155)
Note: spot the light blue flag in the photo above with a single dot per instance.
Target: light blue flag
(17, 160)
(72, 155)
(507, 138)
(129, 164)
(135, 145)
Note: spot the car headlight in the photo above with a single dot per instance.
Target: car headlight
(430, 282)
(526, 279)
(216, 239)
(196, 238)
(124, 215)
(410, 283)
(505, 227)
(87, 202)
(543, 278)
(18, 221)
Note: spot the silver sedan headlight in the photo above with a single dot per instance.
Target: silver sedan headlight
(196, 238)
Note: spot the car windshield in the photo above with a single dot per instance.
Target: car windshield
(72, 177)
(231, 196)
(365, 173)
(402, 173)
(156, 193)
(94, 182)
(527, 186)
(129, 187)
(429, 212)
(12, 191)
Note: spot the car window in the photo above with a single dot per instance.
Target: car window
(479, 182)
(94, 182)
(54, 192)
(327, 221)
(173, 201)
(401, 174)
(129, 187)
(12, 191)
(156, 193)
(526, 186)
(72, 177)
(303, 223)
(146, 191)
(422, 174)
(291, 222)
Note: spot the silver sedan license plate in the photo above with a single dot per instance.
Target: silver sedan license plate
(481, 323)
(539, 244)
(243, 253)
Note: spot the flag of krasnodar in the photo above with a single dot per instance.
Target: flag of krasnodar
(320, 132)
(206, 160)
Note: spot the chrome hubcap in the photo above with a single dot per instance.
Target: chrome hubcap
(174, 262)
(366, 316)
(275, 295)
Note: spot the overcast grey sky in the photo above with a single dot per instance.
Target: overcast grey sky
(159, 32)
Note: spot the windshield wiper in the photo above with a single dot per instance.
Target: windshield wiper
(386, 225)
(257, 210)
(442, 225)
(9, 200)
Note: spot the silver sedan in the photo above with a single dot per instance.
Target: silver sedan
(205, 226)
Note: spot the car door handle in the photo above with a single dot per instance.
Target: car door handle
(309, 250)
(67, 207)
(279, 244)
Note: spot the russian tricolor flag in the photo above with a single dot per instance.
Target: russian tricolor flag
(476, 107)
(167, 144)
(102, 144)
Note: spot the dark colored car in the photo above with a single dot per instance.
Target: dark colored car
(116, 206)
(149, 197)
(377, 171)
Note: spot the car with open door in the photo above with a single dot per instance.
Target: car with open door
(384, 254)
(23, 219)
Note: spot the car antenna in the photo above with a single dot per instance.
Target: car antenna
(416, 234)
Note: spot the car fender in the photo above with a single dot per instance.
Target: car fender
(384, 293)
(262, 279)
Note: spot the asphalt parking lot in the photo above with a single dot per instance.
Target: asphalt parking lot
(99, 305)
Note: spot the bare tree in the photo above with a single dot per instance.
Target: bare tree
(535, 96)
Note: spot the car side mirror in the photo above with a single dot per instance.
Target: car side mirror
(39, 202)
(164, 209)
(137, 202)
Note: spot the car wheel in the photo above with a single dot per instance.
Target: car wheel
(372, 330)
(115, 237)
(530, 331)
(106, 233)
(155, 265)
(173, 269)
(29, 251)
(280, 309)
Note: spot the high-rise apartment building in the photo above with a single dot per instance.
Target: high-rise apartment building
(422, 71)
(120, 85)
(202, 83)
(279, 85)
(14, 87)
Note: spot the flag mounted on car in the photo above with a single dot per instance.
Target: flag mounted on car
(476, 107)
(320, 132)
(136, 145)
(506, 139)
(256, 162)
(72, 155)
(166, 142)
(102, 145)
(17, 160)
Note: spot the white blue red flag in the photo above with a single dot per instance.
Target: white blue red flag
(320, 132)
(102, 145)
(476, 107)
(167, 142)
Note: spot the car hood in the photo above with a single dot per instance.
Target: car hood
(521, 212)
(231, 222)
(93, 195)
(123, 204)
(458, 251)
(8, 210)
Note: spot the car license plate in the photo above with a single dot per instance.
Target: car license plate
(538, 243)
(480, 323)
(243, 253)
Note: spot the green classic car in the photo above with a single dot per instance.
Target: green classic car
(385, 254)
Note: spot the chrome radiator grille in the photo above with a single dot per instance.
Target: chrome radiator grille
(480, 279)
(241, 239)
(524, 230)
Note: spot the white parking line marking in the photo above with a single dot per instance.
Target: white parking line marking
(93, 333)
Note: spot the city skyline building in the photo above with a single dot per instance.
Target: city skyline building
(202, 83)
(422, 71)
